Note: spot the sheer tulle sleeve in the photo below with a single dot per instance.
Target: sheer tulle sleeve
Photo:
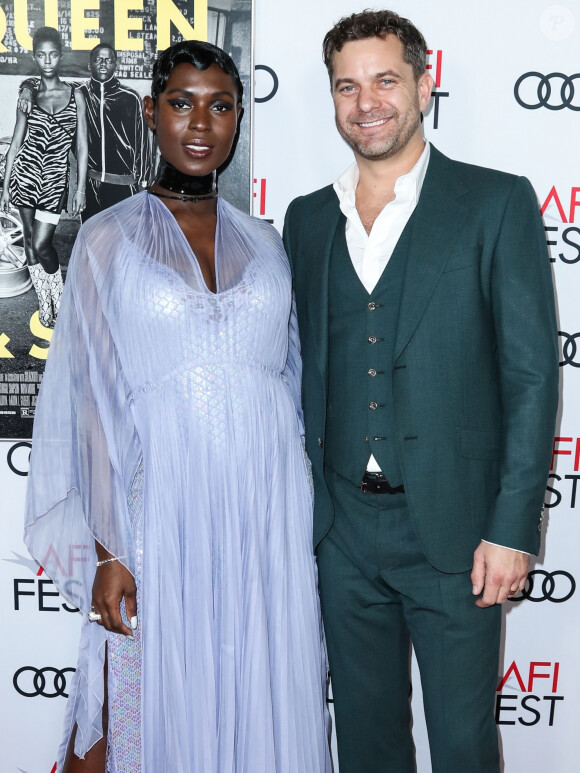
(85, 448)
(293, 371)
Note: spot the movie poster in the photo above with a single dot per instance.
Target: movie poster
(108, 51)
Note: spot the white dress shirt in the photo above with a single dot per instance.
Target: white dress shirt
(370, 253)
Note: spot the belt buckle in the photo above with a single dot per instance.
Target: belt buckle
(381, 484)
(372, 477)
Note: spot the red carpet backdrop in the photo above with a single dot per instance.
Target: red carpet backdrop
(506, 95)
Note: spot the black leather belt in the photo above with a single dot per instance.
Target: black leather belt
(376, 483)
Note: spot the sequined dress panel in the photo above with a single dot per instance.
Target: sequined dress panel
(193, 399)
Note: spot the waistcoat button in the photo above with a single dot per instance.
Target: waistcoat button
(373, 406)
(372, 306)
(372, 339)
(372, 372)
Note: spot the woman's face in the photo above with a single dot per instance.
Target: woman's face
(195, 118)
(47, 58)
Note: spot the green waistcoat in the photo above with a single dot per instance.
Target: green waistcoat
(361, 333)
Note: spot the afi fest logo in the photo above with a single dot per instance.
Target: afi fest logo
(39, 592)
(266, 88)
(527, 694)
(260, 195)
(563, 238)
(563, 485)
(435, 64)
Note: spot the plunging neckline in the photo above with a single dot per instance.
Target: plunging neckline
(58, 112)
(204, 287)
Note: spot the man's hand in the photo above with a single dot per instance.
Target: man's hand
(497, 572)
(79, 202)
(25, 100)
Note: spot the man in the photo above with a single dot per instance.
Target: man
(119, 143)
(426, 314)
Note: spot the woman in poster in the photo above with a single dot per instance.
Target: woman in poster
(167, 442)
(37, 168)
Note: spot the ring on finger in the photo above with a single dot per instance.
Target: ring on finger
(94, 617)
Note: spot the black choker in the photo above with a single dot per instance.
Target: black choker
(173, 180)
(194, 199)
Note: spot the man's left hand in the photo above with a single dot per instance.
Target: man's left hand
(497, 572)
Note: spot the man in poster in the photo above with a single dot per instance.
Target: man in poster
(430, 386)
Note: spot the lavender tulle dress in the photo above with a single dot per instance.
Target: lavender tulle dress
(169, 429)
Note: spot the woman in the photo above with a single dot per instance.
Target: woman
(37, 168)
(168, 441)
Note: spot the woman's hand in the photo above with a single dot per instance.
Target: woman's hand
(78, 202)
(112, 582)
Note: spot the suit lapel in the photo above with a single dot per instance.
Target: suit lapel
(320, 246)
(430, 236)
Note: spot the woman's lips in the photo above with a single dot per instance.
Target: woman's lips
(199, 149)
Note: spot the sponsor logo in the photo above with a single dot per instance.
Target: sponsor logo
(45, 594)
(18, 458)
(560, 207)
(56, 564)
(48, 682)
(557, 587)
(569, 349)
(44, 590)
(272, 83)
(520, 704)
(564, 487)
(261, 196)
(435, 64)
(554, 91)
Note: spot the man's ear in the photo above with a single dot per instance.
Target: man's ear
(149, 112)
(425, 86)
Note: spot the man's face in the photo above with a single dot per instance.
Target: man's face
(377, 100)
(102, 64)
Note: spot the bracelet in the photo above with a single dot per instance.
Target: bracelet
(108, 560)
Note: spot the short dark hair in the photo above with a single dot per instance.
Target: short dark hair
(47, 35)
(377, 24)
(106, 45)
(201, 55)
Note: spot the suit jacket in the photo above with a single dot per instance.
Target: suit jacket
(475, 362)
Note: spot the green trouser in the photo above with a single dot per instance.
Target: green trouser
(379, 593)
